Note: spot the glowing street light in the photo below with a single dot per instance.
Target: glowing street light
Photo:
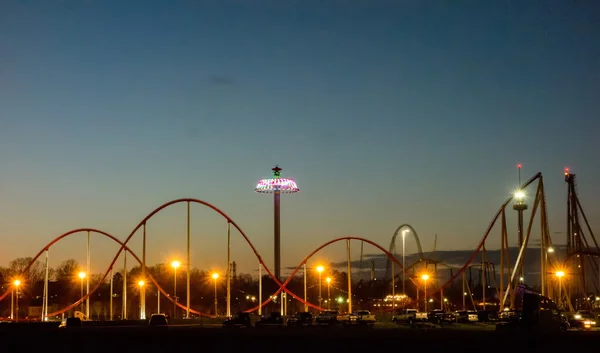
(425, 277)
(215, 276)
(17, 283)
(81, 276)
(559, 275)
(175, 264)
(320, 270)
(141, 284)
(550, 250)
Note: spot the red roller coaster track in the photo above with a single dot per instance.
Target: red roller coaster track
(282, 286)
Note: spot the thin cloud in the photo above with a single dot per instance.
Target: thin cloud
(219, 80)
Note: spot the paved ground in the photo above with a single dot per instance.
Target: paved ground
(306, 340)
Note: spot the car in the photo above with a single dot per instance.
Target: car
(273, 319)
(466, 316)
(158, 320)
(300, 319)
(70, 322)
(327, 317)
(240, 319)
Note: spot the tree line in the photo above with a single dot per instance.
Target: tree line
(65, 288)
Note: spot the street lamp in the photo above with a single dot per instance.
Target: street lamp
(320, 269)
(328, 280)
(141, 283)
(81, 277)
(175, 265)
(403, 261)
(215, 276)
(560, 275)
(17, 284)
(425, 277)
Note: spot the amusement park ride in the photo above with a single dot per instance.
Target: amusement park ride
(569, 278)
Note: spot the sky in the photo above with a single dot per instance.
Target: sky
(384, 112)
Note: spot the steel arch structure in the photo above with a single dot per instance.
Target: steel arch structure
(393, 246)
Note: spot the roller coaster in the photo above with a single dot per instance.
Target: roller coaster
(580, 261)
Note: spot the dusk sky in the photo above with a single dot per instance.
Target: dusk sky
(384, 112)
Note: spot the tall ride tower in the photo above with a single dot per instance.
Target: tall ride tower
(520, 206)
(277, 186)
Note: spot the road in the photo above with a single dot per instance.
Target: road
(190, 338)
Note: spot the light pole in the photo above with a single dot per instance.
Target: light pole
(17, 284)
(277, 186)
(142, 300)
(305, 305)
(550, 250)
(175, 265)
(404, 261)
(328, 280)
(81, 277)
(320, 270)
(215, 276)
(425, 277)
(560, 275)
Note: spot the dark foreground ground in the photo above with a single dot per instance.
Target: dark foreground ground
(196, 339)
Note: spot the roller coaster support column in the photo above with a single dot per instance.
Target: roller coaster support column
(305, 305)
(110, 316)
(87, 278)
(259, 289)
(483, 270)
(45, 299)
(349, 277)
(124, 305)
(393, 290)
(143, 287)
(228, 269)
(464, 292)
(189, 261)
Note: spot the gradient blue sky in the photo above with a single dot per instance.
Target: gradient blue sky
(385, 112)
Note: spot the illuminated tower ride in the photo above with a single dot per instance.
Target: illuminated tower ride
(520, 206)
(277, 186)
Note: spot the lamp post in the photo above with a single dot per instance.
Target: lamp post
(17, 284)
(425, 277)
(277, 186)
(328, 280)
(560, 275)
(142, 300)
(404, 261)
(215, 276)
(319, 271)
(81, 277)
(175, 265)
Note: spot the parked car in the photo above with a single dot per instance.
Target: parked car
(301, 319)
(327, 317)
(273, 319)
(240, 319)
(158, 320)
(360, 317)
